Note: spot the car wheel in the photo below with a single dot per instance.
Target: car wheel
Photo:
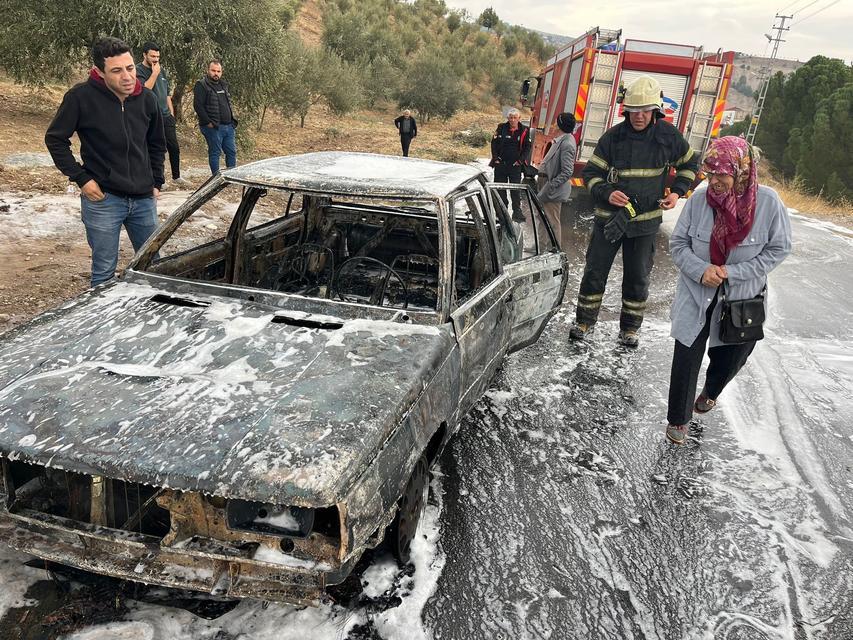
(412, 504)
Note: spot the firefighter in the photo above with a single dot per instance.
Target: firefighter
(626, 177)
(510, 151)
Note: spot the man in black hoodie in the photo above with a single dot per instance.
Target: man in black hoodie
(123, 147)
(212, 103)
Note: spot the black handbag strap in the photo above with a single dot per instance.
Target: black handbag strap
(722, 289)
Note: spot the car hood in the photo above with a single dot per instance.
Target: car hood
(209, 394)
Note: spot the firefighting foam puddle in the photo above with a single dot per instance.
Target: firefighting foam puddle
(16, 579)
(58, 215)
(382, 582)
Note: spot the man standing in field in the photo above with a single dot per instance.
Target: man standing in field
(212, 103)
(408, 129)
(123, 147)
(152, 75)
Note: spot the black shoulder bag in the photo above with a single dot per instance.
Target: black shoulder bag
(741, 320)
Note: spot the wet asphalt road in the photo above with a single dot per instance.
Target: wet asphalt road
(568, 515)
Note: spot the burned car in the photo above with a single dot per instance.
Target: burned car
(257, 399)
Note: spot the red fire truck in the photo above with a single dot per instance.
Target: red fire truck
(585, 76)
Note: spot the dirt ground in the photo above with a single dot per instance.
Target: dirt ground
(45, 264)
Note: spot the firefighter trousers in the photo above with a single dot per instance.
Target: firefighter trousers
(637, 260)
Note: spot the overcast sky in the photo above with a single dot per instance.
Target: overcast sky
(737, 27)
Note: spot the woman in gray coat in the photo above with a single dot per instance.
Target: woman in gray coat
(732, 233)
(555, 172)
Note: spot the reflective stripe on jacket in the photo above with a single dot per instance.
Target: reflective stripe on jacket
(638, 163)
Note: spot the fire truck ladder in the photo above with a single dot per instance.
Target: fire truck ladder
(599, 101)
(705, 94)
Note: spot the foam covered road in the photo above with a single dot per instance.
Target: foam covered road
(568, 515)
(560, 512)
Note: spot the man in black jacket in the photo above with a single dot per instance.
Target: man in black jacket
(212, 103)
(510, 150)
(408, 129)
(627, 175)
(122, 145)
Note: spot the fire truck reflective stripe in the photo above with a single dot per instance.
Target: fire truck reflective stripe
(690, 153)
(641, 173)
(580, 105)
(593, 182)
(648, 215)
(598, 162)
(686, 173)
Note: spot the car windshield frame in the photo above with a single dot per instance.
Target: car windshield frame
(433, 208)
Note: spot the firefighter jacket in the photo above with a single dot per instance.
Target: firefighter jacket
(638, 164)
(510, 147)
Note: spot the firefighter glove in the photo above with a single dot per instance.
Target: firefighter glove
(618, 223)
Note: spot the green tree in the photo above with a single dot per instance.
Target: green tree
(825, 163)
(454, 21)
(431, 86)
(489, 18)
(48, 40)
(312, 76)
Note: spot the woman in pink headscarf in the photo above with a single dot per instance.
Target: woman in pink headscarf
(735, 231)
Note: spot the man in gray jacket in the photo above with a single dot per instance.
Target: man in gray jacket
(555, 172)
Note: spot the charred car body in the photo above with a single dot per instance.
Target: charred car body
(244, 414)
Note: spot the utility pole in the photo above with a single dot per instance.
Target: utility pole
(766, 73)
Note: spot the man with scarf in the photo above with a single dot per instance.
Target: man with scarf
(122, 145)
(626, 176)
(729, 236)
(212, 104)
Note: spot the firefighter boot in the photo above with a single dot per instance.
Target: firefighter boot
(581, 330)
(629, 338)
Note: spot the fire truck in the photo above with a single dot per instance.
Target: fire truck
(586, 75)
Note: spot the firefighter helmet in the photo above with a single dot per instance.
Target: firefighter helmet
(644, 94)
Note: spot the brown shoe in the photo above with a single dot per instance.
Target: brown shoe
(703, 403)
(676, 434)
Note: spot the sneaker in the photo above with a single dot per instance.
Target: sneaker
(580, 330)
(182, 183)
(703, 403)
(676, 434)
(629, 338)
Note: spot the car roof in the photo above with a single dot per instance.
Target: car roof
(350, 173)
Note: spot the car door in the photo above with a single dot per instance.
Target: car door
(480, 309)
(532, 260)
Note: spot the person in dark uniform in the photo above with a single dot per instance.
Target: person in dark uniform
(154, 77)
(408, 129)
(626, 176)
(510, 150)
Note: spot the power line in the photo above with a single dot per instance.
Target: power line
(801, 9)
(814, 13)
(791, 5)
(766, 72)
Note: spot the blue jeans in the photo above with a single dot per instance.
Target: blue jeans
(220, 139)
(103, 221)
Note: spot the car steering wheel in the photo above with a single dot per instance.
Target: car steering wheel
(378, 293)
